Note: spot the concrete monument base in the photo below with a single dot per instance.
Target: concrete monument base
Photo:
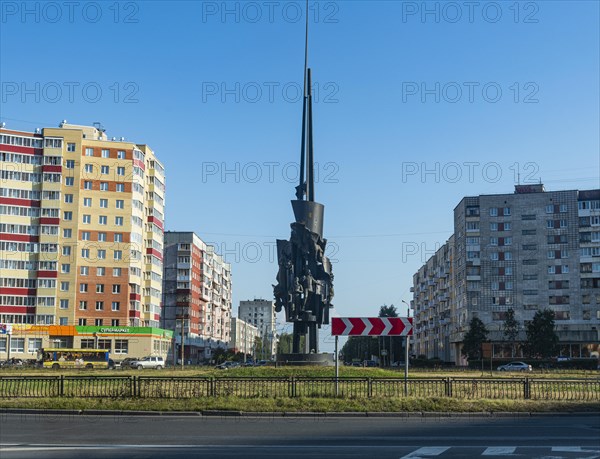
(323, 360)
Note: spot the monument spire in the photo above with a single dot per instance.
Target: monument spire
(305, 280)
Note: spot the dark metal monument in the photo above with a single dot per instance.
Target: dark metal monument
(305, 280)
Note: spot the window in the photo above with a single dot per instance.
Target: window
(115, 306)
(70, 147)
(88, 168)
(565, 269)
(550, 254)
(104, 203)
(508, 256)
(508, 241)
(493, 211)
(85, 253)
(563, 208)
(66, 250)
(493, 226)
(2, 345)
(33, 344)
(69, 181)
(118, 254)
(106, 154)
(563, 223)
(103, 186)
(120, 204)
(120, 170)
(70, 164)
(551, 269)
(82, 322)
(116, 288)
(85, 235)
(101, 237)
(121, 346)
(87, 202)
(17, 345)
(64, 286)
(104, 170)
(549, 224)
(101, 254)
(83, 305)
(83, 288)
(114, 322)
(116, 272)
(494, 241)
(494, 256)
(64, 304)
(87, 219)
(65, 268)
(98, 323)
(549, 209)
(120, 187)
(506, 211)
(99, 288)
(102, 219)
(118, 237)
(100, 271)
(67, 233)
(99, 305)
(119, 221)
(120, 154)
(63, 321)
(89, 152)
(68, 199)
(87, 185)
(84, 270)
(508, 271)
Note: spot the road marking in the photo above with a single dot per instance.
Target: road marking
(426, 451)
(573, 449)
(499, 451)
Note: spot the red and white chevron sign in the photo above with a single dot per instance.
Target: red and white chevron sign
(371, 326)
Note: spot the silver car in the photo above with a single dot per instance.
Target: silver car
(515, 366)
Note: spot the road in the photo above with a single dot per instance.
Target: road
(115, 436)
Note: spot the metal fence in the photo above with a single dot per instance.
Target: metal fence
(245, 387)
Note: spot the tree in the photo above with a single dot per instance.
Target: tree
(284, 346)
(392, 344)
(542, 340)
(510, 329)
(474, 339)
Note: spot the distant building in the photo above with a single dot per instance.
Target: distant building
(197, 286)
(528, 251)
(261, 314)
(243, 336)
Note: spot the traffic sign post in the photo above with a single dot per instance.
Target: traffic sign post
(372, 326)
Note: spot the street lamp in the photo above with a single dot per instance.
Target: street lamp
(406, 344)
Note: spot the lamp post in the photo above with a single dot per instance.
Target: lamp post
(406, 352)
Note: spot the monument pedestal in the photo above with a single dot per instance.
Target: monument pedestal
(323, 360)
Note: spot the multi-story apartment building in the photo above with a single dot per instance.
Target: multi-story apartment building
(261, 314)
(243, 336)
(81, 230)
(197, 295)
(527, 251)
(432, 304)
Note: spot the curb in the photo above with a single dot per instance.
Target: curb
(303, 414)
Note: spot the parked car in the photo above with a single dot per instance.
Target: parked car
(157, 363)
(227, 365)
(370, 363)
(515, 366)
(260, 363)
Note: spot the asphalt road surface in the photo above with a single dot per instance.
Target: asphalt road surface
(115, 436)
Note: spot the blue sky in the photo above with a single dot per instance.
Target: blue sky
(477, 98)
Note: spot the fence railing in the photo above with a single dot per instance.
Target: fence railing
(194, 387)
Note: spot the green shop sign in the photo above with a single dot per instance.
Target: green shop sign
(158, 332)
